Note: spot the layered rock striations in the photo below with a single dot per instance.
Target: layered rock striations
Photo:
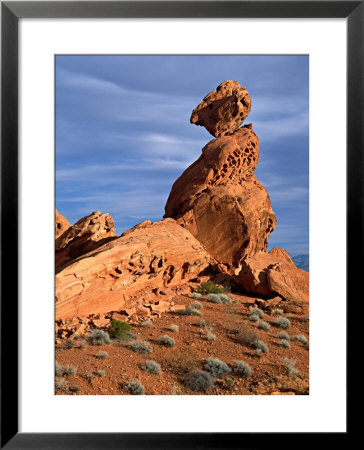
(219, 199)
(85, 235)
(109, 278)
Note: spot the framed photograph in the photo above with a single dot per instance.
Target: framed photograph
(188, 270)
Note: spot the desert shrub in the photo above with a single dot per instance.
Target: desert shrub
(147, 323)
(264, 325)
(300, 338)
(197, 305)
(282, 322)
(209, 287)
(196, 295)
(257, 352)
(199, 381)
(100, 373)
(217, 368)
(257, 311)
(262, 346)
(167, 341)
(69, 370)
(283, 335)
(277, 312)
(134, 387)
(254, 318)
(82, 343)
(118, 328)
(203, 323)
(284, 343)
(127, 336)
(189, 311)
(61, 385)
(69, 343)
(74, 388)
(289, 364)
(141, 347)
(183, 359)
(218, 298)
(247, 337)
(151, 366)
(174, 328)
(58, 369)
(98, 337)
(242, 368)
(210, 336)
(102, 355)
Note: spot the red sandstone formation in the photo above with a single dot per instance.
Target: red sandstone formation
(62, 224)
(85, 235)
(158, 256)
(280, 253)
(221, 202)
(268, 276)
(223, 110)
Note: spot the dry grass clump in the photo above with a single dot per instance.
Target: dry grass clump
(134, 387)
(102, 355)
(219, 298)
(242, 368)
(256, 311)
(167, 341)
(217, 368)
(263, 325)
(141, 347)
(196, 296)
(277, 312)
(151, 366)
(61, 385)
(189, 311)
(300, 338)
(282, 322)
(284, 343)
(283, 335)
(197, 305)
(199, 381)
(289, 364)
(174, 328)
(147, 323)
(98, 337)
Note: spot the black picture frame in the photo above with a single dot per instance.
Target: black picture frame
(11, 12)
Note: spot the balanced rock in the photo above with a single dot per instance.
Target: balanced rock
(114, 276)
(62, 224)
(85, 235)
(268, 276)
(223, 110)
(221, 202)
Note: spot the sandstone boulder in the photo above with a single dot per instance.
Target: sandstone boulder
(62, 224)
(224, 109)
(85, 235)
(116, 275)
(268, 276)
(280, 253)
(221, 202)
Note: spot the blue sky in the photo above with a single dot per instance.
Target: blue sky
(123, 134)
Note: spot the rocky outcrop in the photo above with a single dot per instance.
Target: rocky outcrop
(223, 110)
(151, 258)
(280, 253)
(268, 276)
(85, 235)
(221, 202)
(61, 223)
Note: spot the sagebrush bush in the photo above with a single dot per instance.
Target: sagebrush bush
(257, 311)
(58, 369)
(262, 346)
(289, 364)
(253, 317)
(69, 370)
(102, 355)
(118, 328)
(264, 325)
(189, 311)
(134, 387)
(61, 384)
(100, 373)
(246, 336)
(242, 368)
(98, 337)
(203, 323)
(151, 366)
(197, 305)
(69, 343)
(282, 322)
(217, 368)
(147, 323)
(210, 336)
(167, 341)
(300, 338)
(199, 381)
(196, 295)
(209, 287)
(284, 343)
(277, 312)
(219, 298)
(174, 328)
(283, 335)
(141, 347)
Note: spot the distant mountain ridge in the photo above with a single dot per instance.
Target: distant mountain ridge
(302, 261)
